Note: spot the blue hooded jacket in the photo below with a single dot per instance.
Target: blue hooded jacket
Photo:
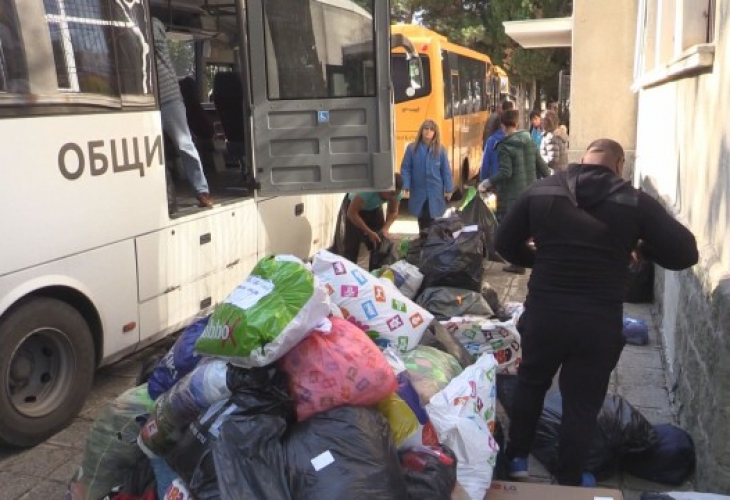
(490, 158)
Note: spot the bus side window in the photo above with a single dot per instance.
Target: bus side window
(13, 68)
(100, 48)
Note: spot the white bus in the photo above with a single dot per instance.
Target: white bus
(106, 250)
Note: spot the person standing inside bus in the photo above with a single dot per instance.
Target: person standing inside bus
(427, 175)
(365, 222)
(174, 119)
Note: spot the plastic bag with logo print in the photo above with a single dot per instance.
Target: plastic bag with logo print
(464, 417)
(277, 306)
(380, 310)
(337, 368)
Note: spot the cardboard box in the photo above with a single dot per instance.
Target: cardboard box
(503, 490)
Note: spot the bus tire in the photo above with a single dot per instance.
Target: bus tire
(47, 362)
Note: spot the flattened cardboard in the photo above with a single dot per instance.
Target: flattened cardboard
(504, 490)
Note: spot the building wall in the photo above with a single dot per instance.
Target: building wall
(683, 158)
(601, 101)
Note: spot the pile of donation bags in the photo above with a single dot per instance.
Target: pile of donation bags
(308, 381)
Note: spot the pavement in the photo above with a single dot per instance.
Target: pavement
(43, 472)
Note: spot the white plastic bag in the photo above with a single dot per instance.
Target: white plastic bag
(412, 278)
(463, 415)
(480, 335)
(383, 312)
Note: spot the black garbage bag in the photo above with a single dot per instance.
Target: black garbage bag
(672, 461)
(438, 337)
(475, 211)
(235, 449)
(429, 472)
(640, 288)
(452, 256)
(410, 250)
(385, 253)
(446, 302)
(621, 430)
(344, 453)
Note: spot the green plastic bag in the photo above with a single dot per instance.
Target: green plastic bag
(277, 306)
(430, 370)
(111, 452)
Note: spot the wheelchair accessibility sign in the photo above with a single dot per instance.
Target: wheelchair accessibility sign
(323, 116)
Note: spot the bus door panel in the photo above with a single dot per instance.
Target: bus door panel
(320, 95)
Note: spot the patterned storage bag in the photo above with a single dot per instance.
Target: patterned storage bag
(337, 368)
(383, 312)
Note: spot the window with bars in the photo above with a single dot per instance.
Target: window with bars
(13, 67)
(100, 46)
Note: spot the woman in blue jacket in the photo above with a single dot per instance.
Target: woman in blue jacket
(427, 175)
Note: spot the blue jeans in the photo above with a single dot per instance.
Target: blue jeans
(175, 125)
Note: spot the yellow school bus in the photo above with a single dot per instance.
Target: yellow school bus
(458, 91)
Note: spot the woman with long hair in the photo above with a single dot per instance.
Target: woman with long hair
(427, 175)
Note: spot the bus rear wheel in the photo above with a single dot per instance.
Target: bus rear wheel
(46, 370)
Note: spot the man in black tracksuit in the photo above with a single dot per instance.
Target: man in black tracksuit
(585, 222)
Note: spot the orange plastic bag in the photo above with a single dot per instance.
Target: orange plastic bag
(342, 367)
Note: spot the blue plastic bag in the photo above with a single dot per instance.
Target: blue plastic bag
(635, 331)
(179, 360)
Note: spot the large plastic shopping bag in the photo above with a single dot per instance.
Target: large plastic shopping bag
(412, 278)
(384, 313)
(430, 370)
(407, 417)
(337, 368)
(463, 414)
(279, 304)
(179, 360)
(111, 452)
(182, 404)
(481, 335)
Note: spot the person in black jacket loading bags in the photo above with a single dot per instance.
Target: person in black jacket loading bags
(585, 223)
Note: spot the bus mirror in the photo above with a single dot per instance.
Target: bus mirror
(206, 49)
(415, 66)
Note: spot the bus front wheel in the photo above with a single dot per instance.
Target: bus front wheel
(46, 370)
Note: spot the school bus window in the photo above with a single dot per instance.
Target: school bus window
(13, 69)
(319, 50)
(402, 80)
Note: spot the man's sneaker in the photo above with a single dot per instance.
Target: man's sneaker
(513, 269)
(204, 200)
(588, 480)
(518, 468)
